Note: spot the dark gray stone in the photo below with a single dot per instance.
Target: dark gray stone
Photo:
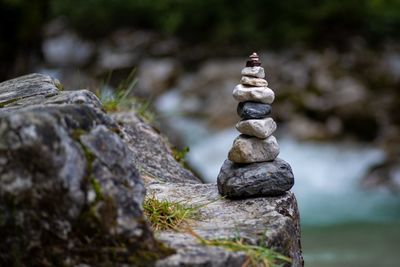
(272, 178)
(253, 110)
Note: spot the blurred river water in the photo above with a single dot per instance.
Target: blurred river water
(342, 223)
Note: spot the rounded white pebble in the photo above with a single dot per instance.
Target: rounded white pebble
(257, 94)
(261, 128)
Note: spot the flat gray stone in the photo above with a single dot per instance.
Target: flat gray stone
(261, 128)
(257, 72)
(26, 86)
(247, 149)
(83, 97)
(272, 178)
(244, 93)
(254, 81)
(272, 222)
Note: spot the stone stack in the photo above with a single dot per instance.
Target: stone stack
(252, 168)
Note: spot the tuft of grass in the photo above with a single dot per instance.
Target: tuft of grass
(257, 256)
(114, 100)
(180, 156)
(168, 215)
(121, 98)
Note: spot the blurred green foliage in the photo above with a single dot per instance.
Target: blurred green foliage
(258, 24)
(268, 22)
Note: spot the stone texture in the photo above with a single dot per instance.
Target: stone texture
(191, 253)
(68, 162)
(257, 128)
(63, 97)
(253, 110)
(27, 86)
(40, 90)
(247, 149)
(272, 178)
(272, 222)
(117, 177)
(257, 72)
(152, 152)
(243, 93)
(251, 81)
(74, 97)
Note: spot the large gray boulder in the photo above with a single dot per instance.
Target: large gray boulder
(69, 193)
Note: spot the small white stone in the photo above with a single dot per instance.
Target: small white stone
(257, 72)
(258, 128)
(254, 81)
(258, 94)
(247, 149)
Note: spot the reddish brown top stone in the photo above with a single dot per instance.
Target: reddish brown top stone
(254, 60)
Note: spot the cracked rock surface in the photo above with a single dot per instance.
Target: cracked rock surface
(152, 153)
(67, 185)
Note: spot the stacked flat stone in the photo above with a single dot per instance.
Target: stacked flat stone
(252, 168)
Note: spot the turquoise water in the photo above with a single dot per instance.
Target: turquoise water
(353, 245)
(342, 223)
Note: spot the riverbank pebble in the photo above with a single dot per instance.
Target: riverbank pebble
(243, 93)
(258, 128)
(248, 149)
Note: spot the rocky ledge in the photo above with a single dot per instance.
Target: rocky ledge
(73, 180)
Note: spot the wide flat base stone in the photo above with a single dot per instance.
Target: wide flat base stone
(272, 178)
(272, 222)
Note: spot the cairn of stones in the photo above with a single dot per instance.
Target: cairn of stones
(252, 168)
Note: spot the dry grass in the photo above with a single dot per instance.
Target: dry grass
(257, 256)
